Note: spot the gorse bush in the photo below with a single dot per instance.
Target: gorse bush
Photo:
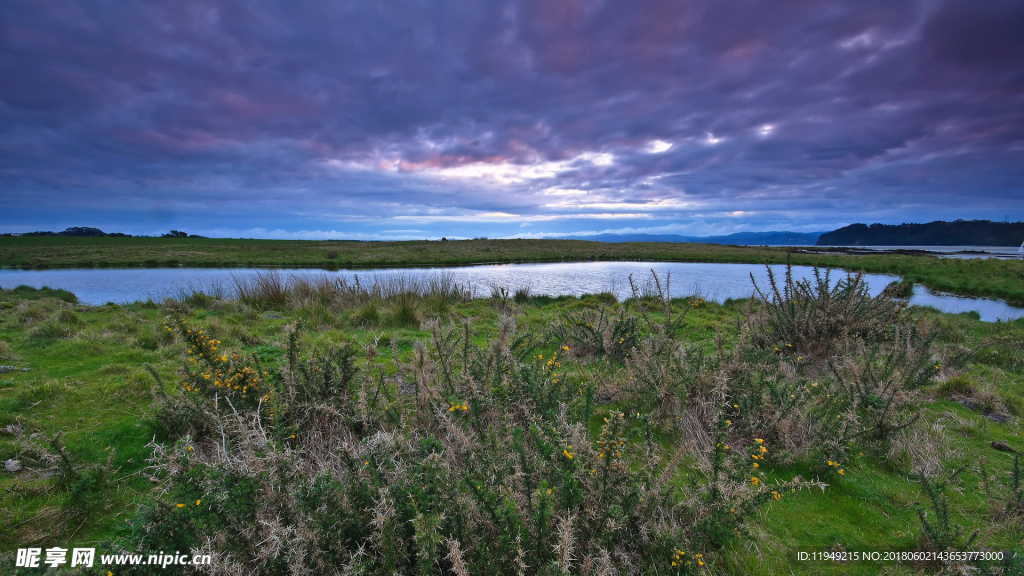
(879, 380)
(588, 333)
(531, 452)
(482, 464)
(937, 524)
(809, 317)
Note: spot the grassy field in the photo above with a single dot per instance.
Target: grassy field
(451, 402)
(994, 278)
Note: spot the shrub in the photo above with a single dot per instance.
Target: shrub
(589, 333)
(485, 467)
(940, 531)
(879, 381)
(812, 317)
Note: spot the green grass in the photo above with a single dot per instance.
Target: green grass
(93, 387)
(991, 277)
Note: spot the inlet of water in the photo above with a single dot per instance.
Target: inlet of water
(715, 282)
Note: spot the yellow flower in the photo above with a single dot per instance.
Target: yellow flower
(198, 502)
(180, 505)
(755, 480)
(566, 348)
(759, 440)
(842, 472)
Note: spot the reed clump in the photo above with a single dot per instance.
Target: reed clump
(324, 300)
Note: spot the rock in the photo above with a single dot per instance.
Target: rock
(12, 465)
(998, 417)
(1003, 446)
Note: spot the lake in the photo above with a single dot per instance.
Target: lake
(713, 282)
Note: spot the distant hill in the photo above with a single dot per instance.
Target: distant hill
(939, 233)
(83, 231)
(87, 232)
(739, 238)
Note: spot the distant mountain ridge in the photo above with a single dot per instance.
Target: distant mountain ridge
(938, 233)
(739, 238)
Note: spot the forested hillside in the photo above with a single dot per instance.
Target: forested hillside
(957, 233)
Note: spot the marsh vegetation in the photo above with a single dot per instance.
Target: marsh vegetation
(975, 277)
(312, 426)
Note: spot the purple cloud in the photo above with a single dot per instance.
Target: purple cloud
(544, 116)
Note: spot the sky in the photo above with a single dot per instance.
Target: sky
(537, 118)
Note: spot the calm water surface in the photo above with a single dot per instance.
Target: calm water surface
(953, 251)
(716, 282)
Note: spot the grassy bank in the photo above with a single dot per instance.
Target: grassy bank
(994, 278)
(416, 425)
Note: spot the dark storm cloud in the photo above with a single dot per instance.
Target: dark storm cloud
(566, 115)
